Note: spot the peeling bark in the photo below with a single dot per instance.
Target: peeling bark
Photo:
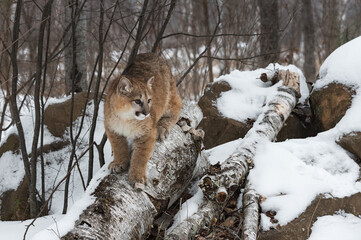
(219, 185)
(120, 212)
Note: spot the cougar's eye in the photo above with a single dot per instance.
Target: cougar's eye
(149, 100)
(137, 101)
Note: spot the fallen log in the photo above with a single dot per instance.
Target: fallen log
(224, 179)
(250, 213)
(120, 212)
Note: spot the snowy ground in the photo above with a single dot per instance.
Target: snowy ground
(287, 174)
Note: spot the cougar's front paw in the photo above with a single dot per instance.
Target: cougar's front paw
(116, 167)
(137, 181)
(162, 133)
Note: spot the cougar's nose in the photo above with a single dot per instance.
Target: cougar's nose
(146, 113)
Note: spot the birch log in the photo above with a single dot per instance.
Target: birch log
(219, 185)
(120, 212)
(250, 212)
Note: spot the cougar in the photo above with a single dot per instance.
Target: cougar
(141, 105)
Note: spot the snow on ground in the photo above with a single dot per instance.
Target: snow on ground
(339, 226)
(291, 174)
(14, 230)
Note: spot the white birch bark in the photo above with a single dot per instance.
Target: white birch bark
(251, 213)
(72, 8)
(120, 212)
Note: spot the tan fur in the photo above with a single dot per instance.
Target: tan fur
(121, 113)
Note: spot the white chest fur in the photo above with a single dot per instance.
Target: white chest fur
(128, 129)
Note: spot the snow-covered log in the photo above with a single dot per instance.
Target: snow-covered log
(219, 184)
(250, 212)
(120, 212)
(225, 178)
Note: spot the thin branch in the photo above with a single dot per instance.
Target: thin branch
(161, 32)
(139, 35)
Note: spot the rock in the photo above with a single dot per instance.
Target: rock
(329, 105)
(218, 129)
(297, 125)
(351, 142)
(14, 203)
(300, 228)
(57, 116)
(211, 94)
(11, 144)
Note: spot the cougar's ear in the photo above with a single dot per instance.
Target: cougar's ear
(150, 82)
(124, 86)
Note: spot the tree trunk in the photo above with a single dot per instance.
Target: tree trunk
(208, 32)
(219, 185)
(120, 212)
(269, 40)
(309, 41)
(75, 46)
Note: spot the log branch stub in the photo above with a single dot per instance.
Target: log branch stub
(290, 79)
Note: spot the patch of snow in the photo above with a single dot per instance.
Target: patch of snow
(339, 226)
(11, 172)
(249, 94)
(15, 230)
(291, 174)
(188, 208)
(220, 153)
(342, 66)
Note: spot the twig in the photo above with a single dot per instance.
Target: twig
(313, 214)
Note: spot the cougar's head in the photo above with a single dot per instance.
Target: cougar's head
(134, 98)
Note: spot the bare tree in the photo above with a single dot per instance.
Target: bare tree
(309, 41)
(75, 46)
(269, 40)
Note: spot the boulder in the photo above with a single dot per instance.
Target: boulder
(14, 203)
(300, 228)
(12, 143)
(57, 116)
(211, 94)
(329, 105)
(352, 143)
(297, 125)
(218, 129)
